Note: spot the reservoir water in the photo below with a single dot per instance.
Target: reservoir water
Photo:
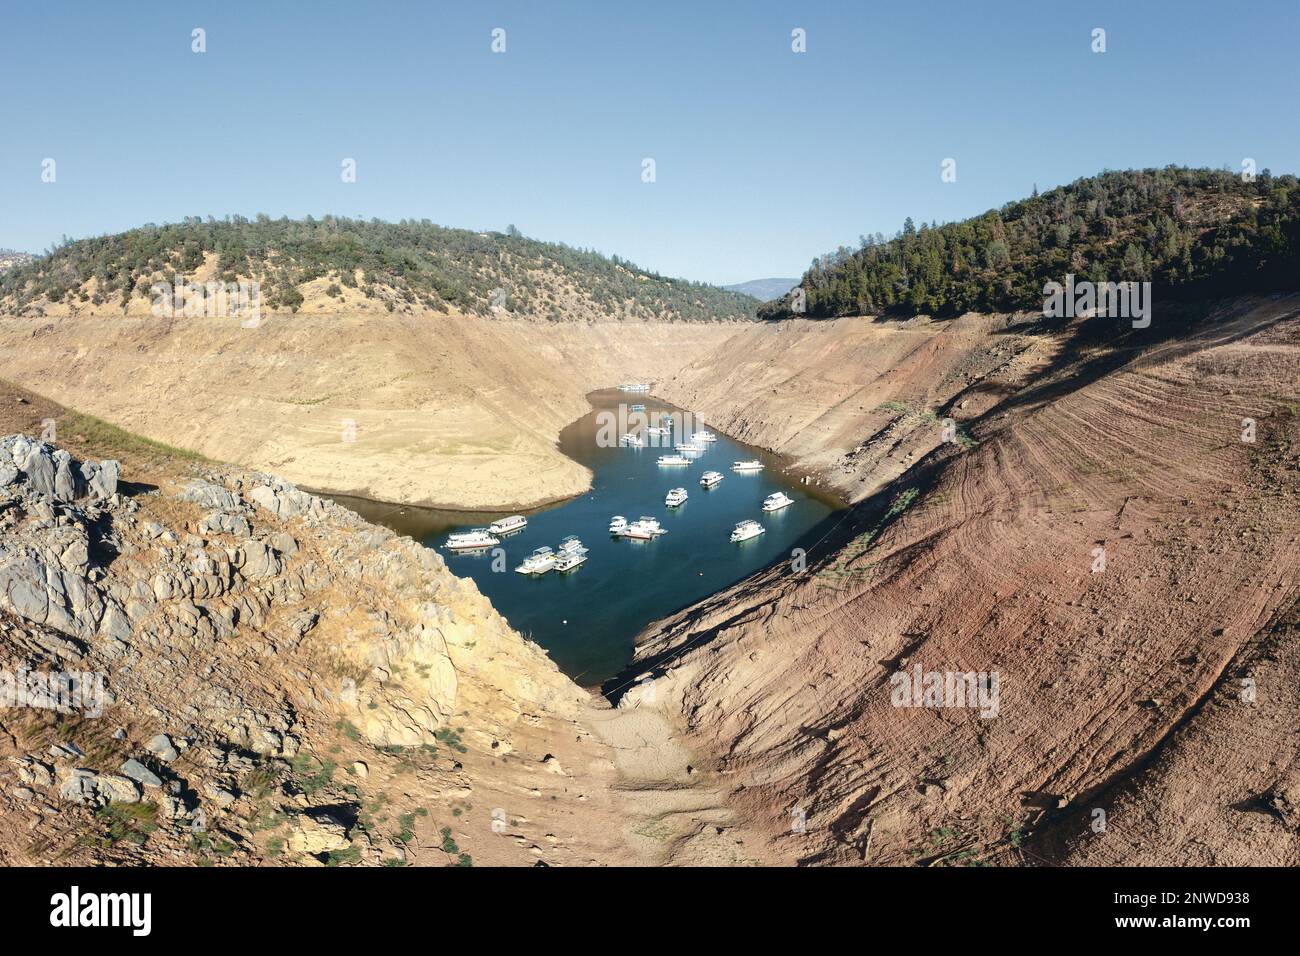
(587, 618)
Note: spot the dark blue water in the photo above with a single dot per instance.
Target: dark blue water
(587, 618)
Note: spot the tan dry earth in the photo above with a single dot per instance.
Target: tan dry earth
(855, 402)
(325, 691)
(449, 410)
(1117, 688)
(1120, 689)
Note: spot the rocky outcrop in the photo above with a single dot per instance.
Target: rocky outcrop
(228, 623)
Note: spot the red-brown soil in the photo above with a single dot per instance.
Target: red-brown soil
(1120, 689)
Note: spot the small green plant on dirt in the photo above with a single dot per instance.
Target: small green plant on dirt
(448, 844)
(312, 774)
(202, 843)
(346, 856)
(260, 782)
(267, 818)
(132, 822)
(452, 738)
(942, 835)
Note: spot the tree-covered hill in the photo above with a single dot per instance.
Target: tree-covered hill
(1191, 232)
(405, 265)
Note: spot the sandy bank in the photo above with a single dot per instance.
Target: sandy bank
(437, 410)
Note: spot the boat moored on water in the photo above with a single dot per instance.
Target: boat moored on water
(689, 446)
(571, 543)
(749, 528)
(643, 529)
(539, 562)
(568, 560)
(509, 525)
(674, 460)
(633, 440)
(710, 478)
(636, 531)
(617, 524)
(704, 436)
(752, 465)
(473, 540)
(675, 497)
(637, 408)
(776, 501)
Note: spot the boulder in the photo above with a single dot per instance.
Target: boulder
(65, 481)
(220, 795)
(160, 745)
(308, 834)
(104, 482)
(95, 789)
(208, 495)
(260, 561)
(221, 523)
(141, 774)
(38, 466)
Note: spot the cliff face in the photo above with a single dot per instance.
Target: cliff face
(204, 664)
(442, 410)
(1114, 542)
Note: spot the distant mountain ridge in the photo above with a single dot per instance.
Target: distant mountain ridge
(763, 289)
(338, 264)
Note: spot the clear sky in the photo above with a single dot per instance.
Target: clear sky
(764, 157)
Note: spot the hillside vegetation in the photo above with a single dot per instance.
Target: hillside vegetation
(405, 265)
(1191, 232)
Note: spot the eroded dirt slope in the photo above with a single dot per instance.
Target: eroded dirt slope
(1119, 684)
(856, 402)
(421, 408)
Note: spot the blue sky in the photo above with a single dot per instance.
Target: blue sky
(764, 158)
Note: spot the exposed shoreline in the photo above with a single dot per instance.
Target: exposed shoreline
(788, 465)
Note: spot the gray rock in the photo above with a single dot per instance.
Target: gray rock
(8, 473)
(260, 561)
(104, 482)
(65, 482)
(68, 751)
(208, 495)
(221, 523)
(38, 466)
(220, 795)
(22, 581)
(88, 787)
(161, 747)
(140, 773)
(34, 772)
